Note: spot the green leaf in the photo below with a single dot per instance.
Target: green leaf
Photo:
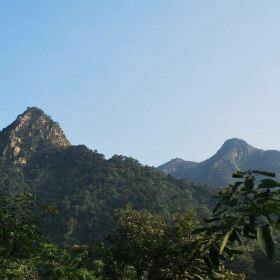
(233, 252)
(264, 173)
(248, 185)
(268, 183)
(241, 172)
(265, 240)
(236, 175)
(216, 208)
(225, 240)
(211, 220)
(214, 256)
(220, 212)
(200, 230)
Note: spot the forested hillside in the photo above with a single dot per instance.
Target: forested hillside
(84, 186)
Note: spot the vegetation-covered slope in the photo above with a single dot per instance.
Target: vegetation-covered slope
(84, 186)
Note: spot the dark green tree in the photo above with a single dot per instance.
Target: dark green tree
(24, 253)
(247, 210)
(147, 246)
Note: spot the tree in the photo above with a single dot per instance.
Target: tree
(147, 246)
(25, 255)
(246, 210)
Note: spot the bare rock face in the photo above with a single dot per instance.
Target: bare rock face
(31, 131)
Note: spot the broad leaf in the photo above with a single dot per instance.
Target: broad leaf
(214, 256)
(264, 173)
(225, 241)
(268, 183)
(265, 240)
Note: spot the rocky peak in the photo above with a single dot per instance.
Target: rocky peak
(235, 143)
(176, 164)
(235, 148)
(31, 130)
(176, 161)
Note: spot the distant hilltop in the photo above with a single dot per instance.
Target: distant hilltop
(235, 154)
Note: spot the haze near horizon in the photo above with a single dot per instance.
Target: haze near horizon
(152, 80)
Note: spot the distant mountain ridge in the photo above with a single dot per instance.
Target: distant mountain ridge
(235, 154)
(34, 131)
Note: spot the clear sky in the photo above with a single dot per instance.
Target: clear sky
(149, 79)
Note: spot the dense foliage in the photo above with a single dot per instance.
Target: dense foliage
(143, 245)
(86, 189)
(24, 253)
(147, 246)
(247, 210)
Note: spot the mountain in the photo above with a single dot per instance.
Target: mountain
(29, 132)
(173, 166)
(235, 154)
(84, 187)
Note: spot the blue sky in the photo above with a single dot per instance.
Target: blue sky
(149, 79)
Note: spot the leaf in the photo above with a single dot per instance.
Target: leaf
(211, 220)
(233, 202)
(207, 261)
(233, 252)
(237, 184)
(265, 240)
(235, 175)
(200, 230)
(220, 213)
(225, 240)
(248, 185)
(216, 208)
(246, 229)
(214, 256)
(241, 172)
(268, 183)
(264, 173)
